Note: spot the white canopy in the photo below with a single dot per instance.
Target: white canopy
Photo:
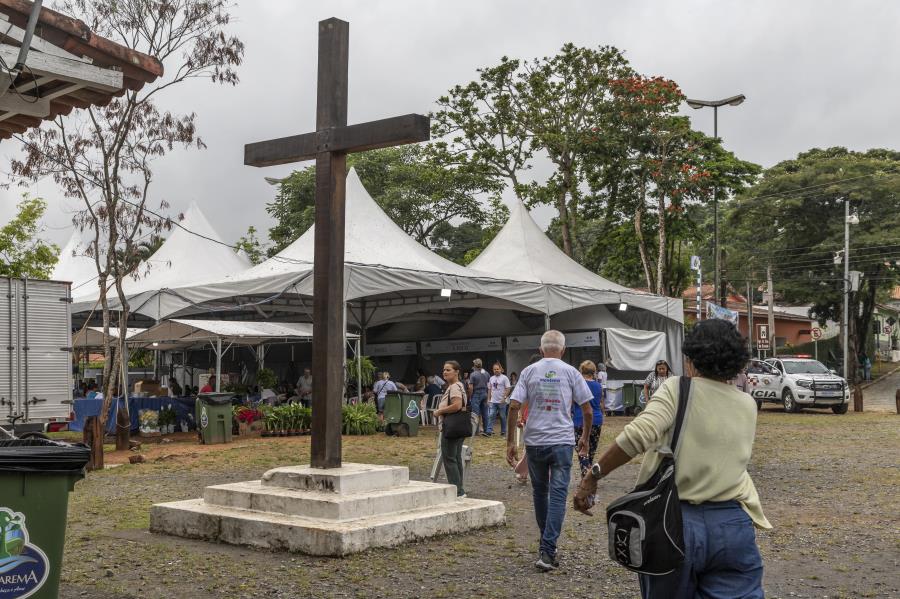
(75, 266)
(522, 251)
(89, 337)
(185, 332)
(193, 252)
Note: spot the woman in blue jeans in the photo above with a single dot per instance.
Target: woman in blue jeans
(719, 503)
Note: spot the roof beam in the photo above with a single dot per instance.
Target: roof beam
(65, 69)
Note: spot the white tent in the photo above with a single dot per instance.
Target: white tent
(578, 297)
(75, 266)
(192, 253)
(92, 337)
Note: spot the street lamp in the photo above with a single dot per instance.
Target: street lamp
(697, 104)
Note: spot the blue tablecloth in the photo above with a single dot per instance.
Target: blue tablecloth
(183, 406)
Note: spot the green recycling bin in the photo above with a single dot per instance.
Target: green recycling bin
(36, 477)
(214, 417)
(401, 414)
(631, 393)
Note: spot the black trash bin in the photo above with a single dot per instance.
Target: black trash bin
(36, 476)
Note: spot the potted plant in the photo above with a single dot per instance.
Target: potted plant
(148, 421)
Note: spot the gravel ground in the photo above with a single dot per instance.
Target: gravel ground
(828, 484)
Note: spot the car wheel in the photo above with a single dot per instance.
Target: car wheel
(790, 405)
(840, 408)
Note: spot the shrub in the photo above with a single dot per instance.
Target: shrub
(360, 419)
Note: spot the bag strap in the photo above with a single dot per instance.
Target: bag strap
(684, 394)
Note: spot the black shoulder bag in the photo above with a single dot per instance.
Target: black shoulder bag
(645, 528)
(458, 424)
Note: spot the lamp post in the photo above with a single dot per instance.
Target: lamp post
(697, 104)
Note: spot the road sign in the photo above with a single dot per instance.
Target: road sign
(816, 333)
(695, 262)
(762, 344)
(887, 329)
(762, 333)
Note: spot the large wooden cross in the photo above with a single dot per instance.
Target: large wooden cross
(329, 146)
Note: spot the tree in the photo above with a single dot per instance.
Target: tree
(414, 185)
(522, 109)
(251, 246)
(643, 160)
(22, 252)
(103, 157)
(793, 220)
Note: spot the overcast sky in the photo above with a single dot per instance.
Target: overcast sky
(815, 73)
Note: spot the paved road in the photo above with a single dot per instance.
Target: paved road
(880, 396)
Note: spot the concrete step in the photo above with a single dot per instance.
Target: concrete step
(200, 520)
(254, 495)
(349, 478)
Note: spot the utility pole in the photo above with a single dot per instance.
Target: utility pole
(845, 324)
(723, 280)
(750, 317)
(771, 290)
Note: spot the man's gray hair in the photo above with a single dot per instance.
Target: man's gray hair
(553, 341)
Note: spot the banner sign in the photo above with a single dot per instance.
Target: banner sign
(533, 342)
(455, 346)
(717, 311)
(390, 349)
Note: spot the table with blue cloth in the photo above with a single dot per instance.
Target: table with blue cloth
(183, 406)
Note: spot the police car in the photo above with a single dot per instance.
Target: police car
(797, 383)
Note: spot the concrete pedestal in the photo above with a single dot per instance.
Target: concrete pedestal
(325, 511)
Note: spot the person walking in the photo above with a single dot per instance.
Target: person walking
(656, 378)
(478, 391)
(305, 388)
(589, 371)
(500, 388)
(719, 503)
(453, 400)
(548, 389)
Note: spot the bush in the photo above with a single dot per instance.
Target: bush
(266, 379)
(360, 419)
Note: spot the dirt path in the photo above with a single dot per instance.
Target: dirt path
(880, 397)
(828, 484)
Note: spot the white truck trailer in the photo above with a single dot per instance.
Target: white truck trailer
(35, 354)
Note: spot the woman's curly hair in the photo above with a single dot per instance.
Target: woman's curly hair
(716, 349)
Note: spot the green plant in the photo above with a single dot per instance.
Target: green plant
(366, 369)
(359, 419)
(266, 379)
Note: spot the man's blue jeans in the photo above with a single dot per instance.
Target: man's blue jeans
(549, 467)
(480, 408)
(497, 409)
(721, 558)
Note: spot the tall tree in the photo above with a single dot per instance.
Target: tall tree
(793, 220)
(251, 246)
(521, 110)
(104, 157)
(22, 252)
(642, 161)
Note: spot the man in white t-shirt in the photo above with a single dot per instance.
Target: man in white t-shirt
(548, 388)
(499, 388)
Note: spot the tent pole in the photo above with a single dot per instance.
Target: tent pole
(218, 364)
(358, 372)
(546, 322)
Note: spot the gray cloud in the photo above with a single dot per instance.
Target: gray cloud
(815, 74)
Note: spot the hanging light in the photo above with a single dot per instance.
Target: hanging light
(156, 344)
(445, 292)
(623, 306)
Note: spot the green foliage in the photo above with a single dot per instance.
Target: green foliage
(251, 246)
(793, 219)
(366, 370)
(417, 187)
(288, 417)
(140, 358)
(359, 419)
(266, 379)
(22, 252)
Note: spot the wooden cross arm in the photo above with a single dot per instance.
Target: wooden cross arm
(406, 129)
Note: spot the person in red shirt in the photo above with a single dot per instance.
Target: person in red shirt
(210, 386)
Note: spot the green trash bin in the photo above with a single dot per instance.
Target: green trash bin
(402, 414)
(214, 417)
(36, 477)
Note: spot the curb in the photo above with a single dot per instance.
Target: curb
(878, 380)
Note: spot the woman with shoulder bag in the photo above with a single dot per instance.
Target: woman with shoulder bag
(719, 503)
(452, 402)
